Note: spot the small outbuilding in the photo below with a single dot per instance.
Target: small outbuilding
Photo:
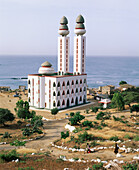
(105, 102)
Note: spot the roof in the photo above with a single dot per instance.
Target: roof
(80, 19)
(47, 64)
(63, 20)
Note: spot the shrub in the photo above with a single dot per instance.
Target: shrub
(136, 138)
(36, 130)
(130, 166)
(87, 111)
(100, 115)
(116, 118)
(9, 156)
(19, 122)
(18, 143)
(64, 135)
(6, 135)
(85, 137)
(103, 124)
(76, 118)
(98, 166)
(88, 128)
(26, 131)
(127, 136)
(93, 144)
(77, 130)
(94, 109)
(98, 127)
(71, 114)
(114, 138)
(37, 121)
(87, 123)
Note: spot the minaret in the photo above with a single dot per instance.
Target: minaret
(79, 46)
(63, 47)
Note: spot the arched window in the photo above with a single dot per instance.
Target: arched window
(80, 89)
(72, 82)
(81, 81)
(80, 98)
(72, 100)
(76, 81)
(58, 94)
(68, 83)
(63, 83)
(28, 81)
(76, 90)
(58, 85)
(54, 85)
(84, 80)
(28, 90)
(29, 99)
(63, 103)
(54, 104)
(84, 88)
(63, 93)
(54, 94)
(58, 103)
(72, 91)
(67, 91)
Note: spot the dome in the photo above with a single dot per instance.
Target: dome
(63, 27)
(63, 20)
(46, 68)
(80, 19)
(79, 25)
(46, 64)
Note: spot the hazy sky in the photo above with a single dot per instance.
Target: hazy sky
(31, 26)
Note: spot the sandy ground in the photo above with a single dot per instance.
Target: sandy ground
(53, 130)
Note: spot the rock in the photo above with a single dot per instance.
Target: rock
(98, 160)
(121, 162)
(33, 154)
(79, 160)
(41, 149)
(116, 160)
(119, 155)
(17, 160)
(71, 160)
(107, 166)
(104, 162)
(136, 157)
(118, 141)
(66, 168)
(70, 128)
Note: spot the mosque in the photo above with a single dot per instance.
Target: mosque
(62, 89)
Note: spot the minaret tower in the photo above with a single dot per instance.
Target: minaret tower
(63, 47)
(79, 46)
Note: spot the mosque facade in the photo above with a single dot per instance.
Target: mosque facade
(62, 89)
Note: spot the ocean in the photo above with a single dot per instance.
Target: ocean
(100, 70)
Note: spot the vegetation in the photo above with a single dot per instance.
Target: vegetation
(87, 123)
(5, 116)
(37, 121)
(26, 131)
(122, 82)
(54, 111)
(18, 143)
(22, 110)
(84, 137)
(76, 118)
(118, 101)
(129, 166)
(134, 108)
(71, 114)
(114, 138)
(98, 166)
(94, 109)
(103, 116)
(64, 135)
(12, 155)
(6, 135)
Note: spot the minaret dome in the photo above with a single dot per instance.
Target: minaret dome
(63, 29)
(80, 28)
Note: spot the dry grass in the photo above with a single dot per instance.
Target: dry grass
(26, 150)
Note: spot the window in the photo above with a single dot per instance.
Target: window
(67, 91)
(80, 89)
(76, 90)
(28, 90)
(72, 82)
(28, 81)
(58, 103)
(58, 85)
(29, 99)
(72, 91)
(72, 101)
(54, 85)
(81, 81)
(84, 88)
(63, 103)
(63, 83)
(76, 81)
(54, 104)
(84, 80)
(63, 93)
(68, 83)
(80, 98)
(58, 94)
(54, 94)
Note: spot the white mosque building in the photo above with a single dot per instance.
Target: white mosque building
(49, 89)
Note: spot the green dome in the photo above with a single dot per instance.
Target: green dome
(63, 27)
(80, 25)
(63, 20)
(46, 64)
(80, 19)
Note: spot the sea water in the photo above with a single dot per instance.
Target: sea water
(100, 70)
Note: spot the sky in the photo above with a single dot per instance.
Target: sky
(30, 27)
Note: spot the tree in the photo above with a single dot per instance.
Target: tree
(54, 111)
(64, 135)
(117, 101)
(134, 108)
(37, 121)
(122, 82)
(94, 109)
(22, 110)
(71, 114)
(5, 116)
(76, 118)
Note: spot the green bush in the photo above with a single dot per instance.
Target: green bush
(77, 130)
(64, 135)
(87, 123)
(98, 127)
(116, 118)
(85, 137)
(71, 114)
(98, 166)
(136, 138)
(6, 135)
(36, 130)
(26, 131)
(37, 121)
(87, 128)
(18, 143)
(129, 166)
(127, 136)
(19, 122)
(114, 138)
(94, 109)
(103, 116)
(76, 119)
(93, 144)
(12, 155)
